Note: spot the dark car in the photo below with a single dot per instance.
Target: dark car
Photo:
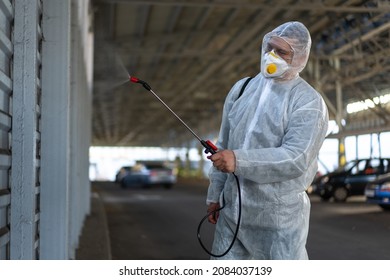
(145, 174)
(122, 173)
(351, 179)
(378, 192)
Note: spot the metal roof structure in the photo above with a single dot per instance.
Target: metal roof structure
(192, 52)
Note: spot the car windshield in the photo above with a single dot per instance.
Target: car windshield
(154, 165)
(347, 167)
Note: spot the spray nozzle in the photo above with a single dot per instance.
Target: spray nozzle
(136, 80)
(133, 79)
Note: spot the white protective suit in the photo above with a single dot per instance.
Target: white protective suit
(275, 129)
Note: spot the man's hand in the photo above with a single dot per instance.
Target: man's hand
(213, 217)
(224, 161)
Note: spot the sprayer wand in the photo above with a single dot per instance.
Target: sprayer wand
(209, 146)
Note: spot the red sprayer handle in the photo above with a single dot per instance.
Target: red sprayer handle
(210, 147)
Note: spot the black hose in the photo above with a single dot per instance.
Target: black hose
(237, 227)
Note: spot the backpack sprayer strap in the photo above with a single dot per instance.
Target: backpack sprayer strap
(244, 86)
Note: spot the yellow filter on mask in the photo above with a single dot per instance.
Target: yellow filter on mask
(271, 68)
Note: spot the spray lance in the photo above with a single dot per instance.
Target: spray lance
(209, 148)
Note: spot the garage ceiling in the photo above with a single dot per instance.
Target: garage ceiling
(192, 52)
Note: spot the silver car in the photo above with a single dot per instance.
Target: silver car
(146, 174)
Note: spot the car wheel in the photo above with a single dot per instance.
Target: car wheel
(326, 192)
(385, 207)
(340, 194)
(167, 186)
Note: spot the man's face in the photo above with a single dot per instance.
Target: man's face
(281, 48)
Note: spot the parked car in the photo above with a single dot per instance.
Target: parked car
(122, 173)
(351, 179)
(144, 174)
(378, 192)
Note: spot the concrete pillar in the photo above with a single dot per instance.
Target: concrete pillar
(55, 129)
(25, 186)
(339, 114)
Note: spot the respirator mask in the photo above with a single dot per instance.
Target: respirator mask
(273, 66)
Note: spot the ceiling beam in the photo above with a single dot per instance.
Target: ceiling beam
(361, 39)
(380, 8)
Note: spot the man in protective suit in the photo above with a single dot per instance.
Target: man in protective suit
(270, 138)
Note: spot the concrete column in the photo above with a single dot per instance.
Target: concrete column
(55, 129)
(339, 114)
(25, 185)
